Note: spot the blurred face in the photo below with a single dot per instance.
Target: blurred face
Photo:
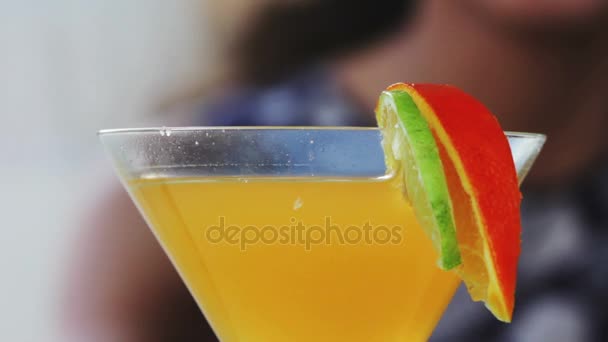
(545, 15)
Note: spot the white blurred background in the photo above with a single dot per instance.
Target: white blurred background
(67, 69)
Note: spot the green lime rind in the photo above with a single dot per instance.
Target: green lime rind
(410, 149)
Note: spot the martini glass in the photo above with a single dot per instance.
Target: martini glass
(290, 234)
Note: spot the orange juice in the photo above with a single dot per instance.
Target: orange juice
(300, 259)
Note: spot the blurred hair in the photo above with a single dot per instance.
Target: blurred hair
(287, 36)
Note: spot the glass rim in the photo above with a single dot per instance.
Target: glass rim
(143, 130)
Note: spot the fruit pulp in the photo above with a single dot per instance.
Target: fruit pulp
(279, 287)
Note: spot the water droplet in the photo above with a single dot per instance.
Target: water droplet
(164, 131)
(196, 143)
(298, 204)
(312, 141)
(311, 156)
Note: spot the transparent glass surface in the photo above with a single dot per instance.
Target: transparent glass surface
(290, 233)
(267, 151)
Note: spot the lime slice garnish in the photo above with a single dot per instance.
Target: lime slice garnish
(412, 153)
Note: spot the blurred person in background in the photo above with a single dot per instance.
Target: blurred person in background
(540, 66)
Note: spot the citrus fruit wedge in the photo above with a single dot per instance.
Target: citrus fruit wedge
(483, 188)
(411, 152)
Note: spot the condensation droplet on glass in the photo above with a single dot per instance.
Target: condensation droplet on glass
(164, 131)
(298, 203)
(196, 143)
(312, 141)
(206, 134)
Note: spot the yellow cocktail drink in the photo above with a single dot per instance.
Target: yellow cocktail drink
(300, 259)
